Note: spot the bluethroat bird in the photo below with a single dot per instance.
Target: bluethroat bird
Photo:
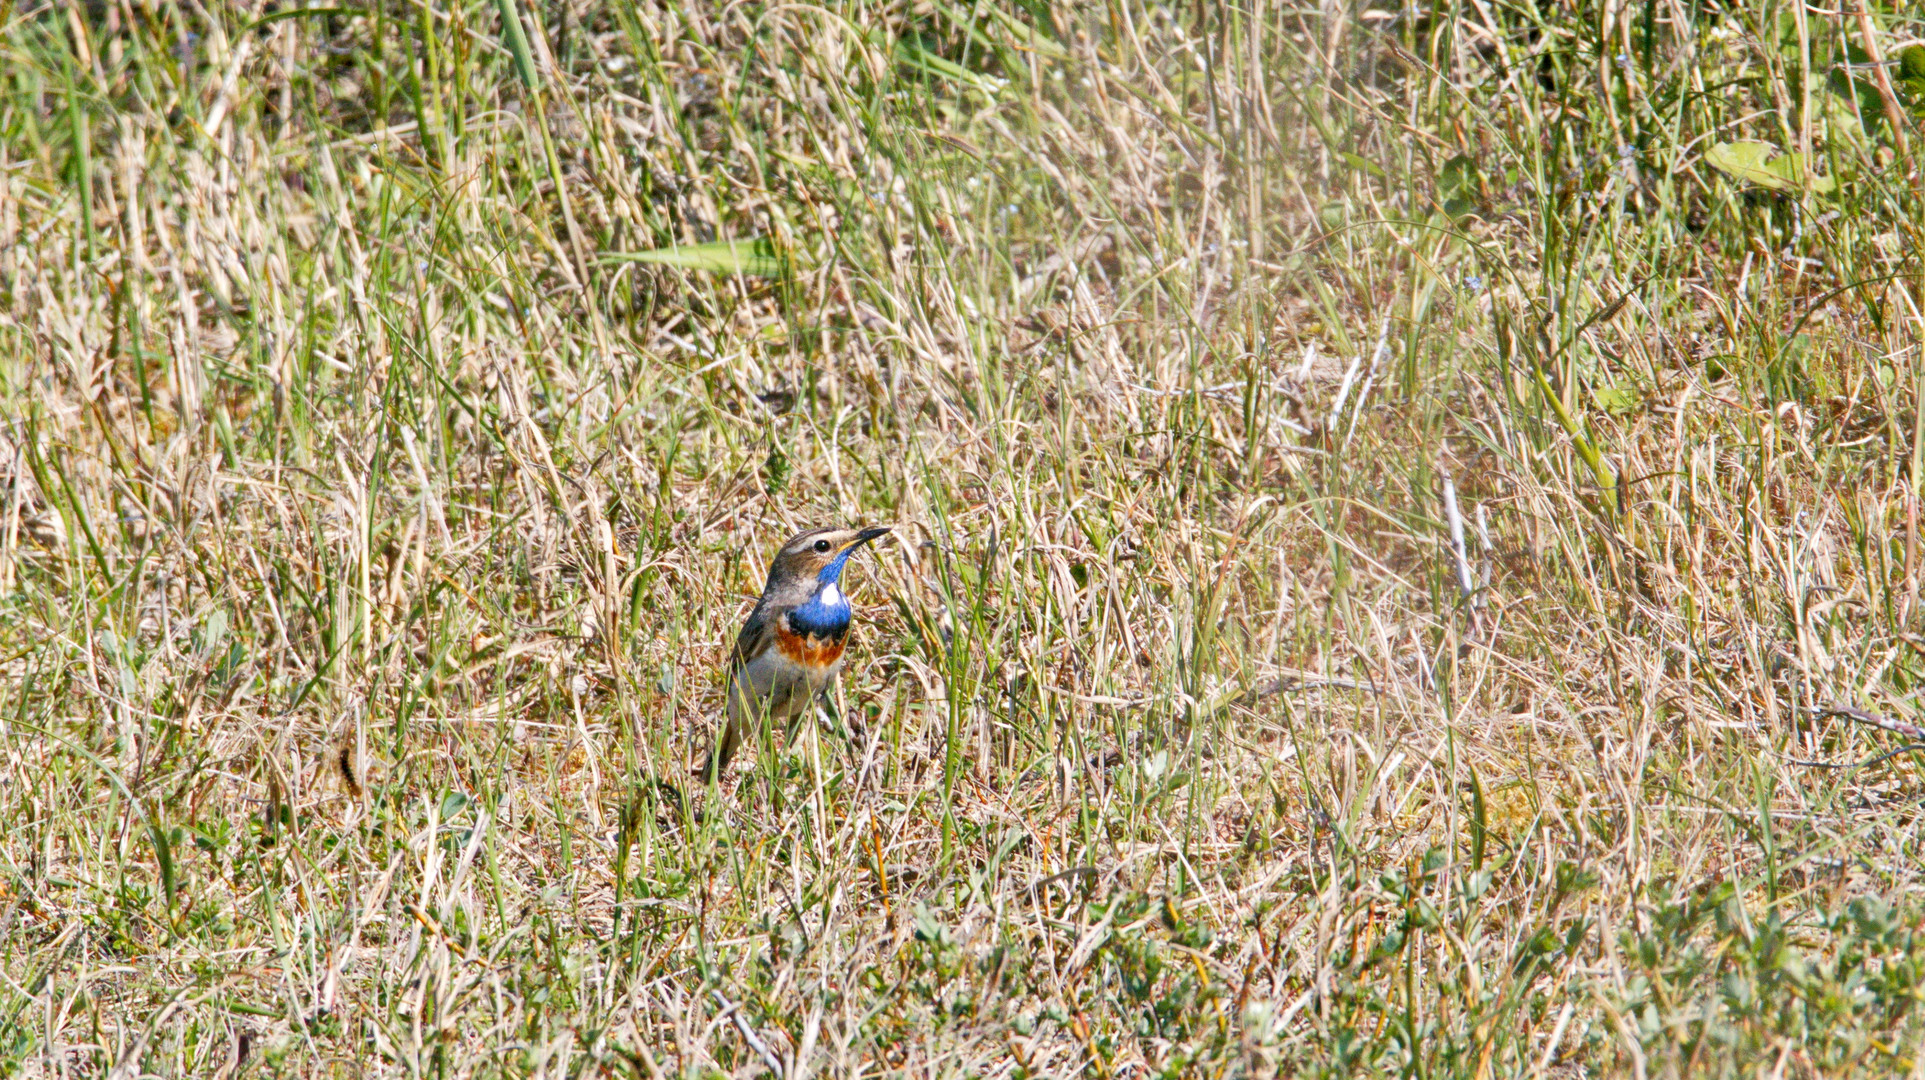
(790, 648)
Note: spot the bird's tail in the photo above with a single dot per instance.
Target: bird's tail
(717, 762)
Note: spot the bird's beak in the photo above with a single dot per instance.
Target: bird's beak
(867, 535)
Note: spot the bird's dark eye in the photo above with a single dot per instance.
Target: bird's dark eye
(822, 545)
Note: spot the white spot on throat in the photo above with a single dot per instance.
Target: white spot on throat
(831, 595)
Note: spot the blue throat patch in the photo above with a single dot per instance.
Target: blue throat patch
(827, 612)
(825, 615)
(833, 571)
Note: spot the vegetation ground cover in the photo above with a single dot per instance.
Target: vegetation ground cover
(1406, 535)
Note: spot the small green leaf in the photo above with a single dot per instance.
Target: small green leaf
(1911, 74)
(1036, 38)
(301, 12)
(213, 631)
(776, 469)
(1616, 400)
(1911, 63)
(164, 855)
(757, 256)
(1364, 163)
(911, 54)
(1458, 184)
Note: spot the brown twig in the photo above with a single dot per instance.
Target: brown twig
(1894, 112)
(1910, 731)
(1852, 712)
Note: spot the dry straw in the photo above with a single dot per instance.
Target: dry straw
(398, 406)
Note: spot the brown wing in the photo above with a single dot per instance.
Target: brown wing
(758, 634)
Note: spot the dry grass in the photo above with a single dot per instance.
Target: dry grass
(372, 532)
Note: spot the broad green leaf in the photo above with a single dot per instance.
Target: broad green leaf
(1795, 169)
(1846, 108)
(1753, 163)
(516, 41)
(757, 256)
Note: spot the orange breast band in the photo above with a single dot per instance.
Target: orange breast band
(807, 650)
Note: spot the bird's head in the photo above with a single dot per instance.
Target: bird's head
(818, 555)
